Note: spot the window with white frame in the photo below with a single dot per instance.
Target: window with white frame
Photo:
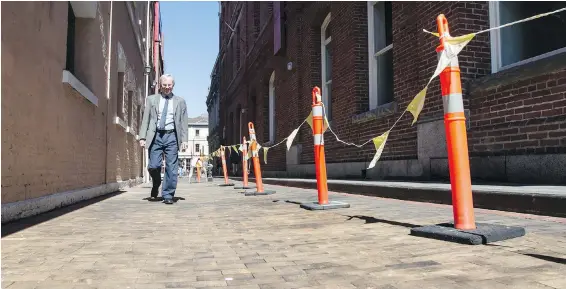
(380, 49)
(197, 132)
(326, 56)
(272, 107)
(197, 147)
(525, 42)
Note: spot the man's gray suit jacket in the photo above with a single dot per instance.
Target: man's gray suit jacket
(149, 121)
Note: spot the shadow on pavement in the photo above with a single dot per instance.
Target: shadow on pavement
(160, 199)
(22, 224)
(372, 220)
(557, 260)
(546, 258)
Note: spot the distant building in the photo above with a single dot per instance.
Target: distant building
(74, 80)
(198, 144)
(213, 107)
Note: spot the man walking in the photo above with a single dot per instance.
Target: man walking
(165, 125)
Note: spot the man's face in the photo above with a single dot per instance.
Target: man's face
(167, 85)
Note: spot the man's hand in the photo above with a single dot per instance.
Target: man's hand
(184, 146)
(142, 143)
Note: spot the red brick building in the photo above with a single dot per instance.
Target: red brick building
(75, 76)
(370, 59)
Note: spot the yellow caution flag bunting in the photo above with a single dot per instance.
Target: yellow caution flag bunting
(265, 149)
(292, 137)
(452, 47)
(379, 143)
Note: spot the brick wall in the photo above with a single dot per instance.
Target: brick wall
(523, 115)
(53, 138)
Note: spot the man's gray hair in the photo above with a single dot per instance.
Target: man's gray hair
(167, 76)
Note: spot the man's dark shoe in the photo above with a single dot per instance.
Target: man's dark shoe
(168, 202)
(156, 178)
(154, 192)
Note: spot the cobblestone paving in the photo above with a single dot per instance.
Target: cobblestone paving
(217, 237)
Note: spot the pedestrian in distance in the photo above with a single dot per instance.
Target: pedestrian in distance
(165, 129)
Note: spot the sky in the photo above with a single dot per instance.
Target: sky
(190, 32)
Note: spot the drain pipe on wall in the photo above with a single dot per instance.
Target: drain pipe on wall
(108, 85)
(156, 43)
(147, 86)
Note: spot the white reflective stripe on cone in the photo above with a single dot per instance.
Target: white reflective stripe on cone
(453, 103)
(317, 111)
(318, 139)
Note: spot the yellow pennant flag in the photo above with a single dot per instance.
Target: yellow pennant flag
(235, 148)
(249, 155)
(416, 105)
(309, 120)
(291, 138)
(265, 154)
(461, 40)
(379, 143)
(452, 47)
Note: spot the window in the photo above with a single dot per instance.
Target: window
(122, 91)
(71, 24)
(272, 108)
(75, 74)
(197, 132)
(140, 116)
(120, 96)
(197, 147)
(518, 44)
(130, 108)
(238, 44)
(380, 49)
(326, 56)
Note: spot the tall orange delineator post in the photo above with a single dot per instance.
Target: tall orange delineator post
(222, 155)
(257, 167)
(464, 230)
(244, 167)
(456, 138)
(319, 158)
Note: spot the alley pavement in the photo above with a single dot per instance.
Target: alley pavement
(217, 237)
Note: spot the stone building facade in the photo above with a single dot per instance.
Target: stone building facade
(198, 139)
(370, 59)
(73, 89)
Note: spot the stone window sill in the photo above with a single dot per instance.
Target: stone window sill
(130, 130)
(121, 123)
(77, 85)
(517, 73)
(376, 113)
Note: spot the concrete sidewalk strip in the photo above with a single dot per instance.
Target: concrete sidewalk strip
(215, 238)
(544, 200)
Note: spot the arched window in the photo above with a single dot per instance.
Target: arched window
(272, 107)
(326, 56)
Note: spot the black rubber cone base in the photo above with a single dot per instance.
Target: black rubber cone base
(264, 193)
(483, 234)
(226, 185)
(243, 187)
(315, 206)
